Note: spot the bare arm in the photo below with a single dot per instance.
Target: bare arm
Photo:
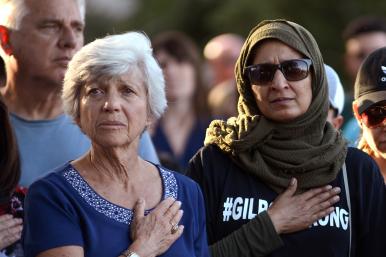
(65, 251)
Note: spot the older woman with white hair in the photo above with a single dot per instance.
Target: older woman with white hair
(110, 202)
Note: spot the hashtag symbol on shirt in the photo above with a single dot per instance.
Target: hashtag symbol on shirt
(228, 204)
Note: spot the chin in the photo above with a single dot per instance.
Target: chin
(109, 141)
(284, 117)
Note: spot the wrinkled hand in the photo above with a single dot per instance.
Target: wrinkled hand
(291, 213)
(152, 234)
(10, 230)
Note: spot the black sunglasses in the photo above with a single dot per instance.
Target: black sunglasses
(293, 70)
(374, 116)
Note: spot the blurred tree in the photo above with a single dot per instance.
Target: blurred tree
(203, 19)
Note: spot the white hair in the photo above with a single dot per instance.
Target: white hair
(12, 12)
(113, 56)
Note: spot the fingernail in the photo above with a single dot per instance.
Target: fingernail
(179, 203)
(336, 198)
(328, 187)
(140, 200)
(337, 189)
(292, 182)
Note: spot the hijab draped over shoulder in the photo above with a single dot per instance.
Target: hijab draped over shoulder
(308, 147)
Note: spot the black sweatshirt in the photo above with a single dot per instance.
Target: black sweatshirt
(233, 198)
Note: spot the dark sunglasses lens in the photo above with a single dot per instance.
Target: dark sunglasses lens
(262, 73)
(374, 116)
(295, 70)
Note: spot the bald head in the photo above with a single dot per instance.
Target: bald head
(221, 52)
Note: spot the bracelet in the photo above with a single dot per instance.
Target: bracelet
(128, 253)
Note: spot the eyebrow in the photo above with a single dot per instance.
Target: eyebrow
(75, 23)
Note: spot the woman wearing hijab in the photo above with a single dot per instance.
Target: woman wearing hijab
(281, 133)
(370, 107)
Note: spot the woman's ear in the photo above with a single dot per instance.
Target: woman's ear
(4, 40)
(254, 90)
(356, 114)
(150, 120)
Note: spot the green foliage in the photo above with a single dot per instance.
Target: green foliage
(202, 19)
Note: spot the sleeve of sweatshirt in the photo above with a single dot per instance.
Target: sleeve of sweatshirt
(256, 238)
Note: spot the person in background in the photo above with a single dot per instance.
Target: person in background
(38, 39)
(110, 202)
(221, 53)
(335, 96)
(370, 107)
(361, 36)
(11, 196)
(281, 133)
(181, 130)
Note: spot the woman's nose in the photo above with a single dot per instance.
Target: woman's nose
(279, 81)
(111, 104)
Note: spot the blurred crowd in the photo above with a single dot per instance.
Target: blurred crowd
(138, 146)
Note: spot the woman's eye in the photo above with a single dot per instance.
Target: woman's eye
(127, 91)
(95, 92)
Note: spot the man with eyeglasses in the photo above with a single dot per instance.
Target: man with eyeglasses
(370, 106)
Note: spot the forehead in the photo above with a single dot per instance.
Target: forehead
(65, 10)
(133, 77)
(271, 50)
(366, 42)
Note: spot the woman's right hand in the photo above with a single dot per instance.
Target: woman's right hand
(152, 234)
(291, 213)
(10, 230)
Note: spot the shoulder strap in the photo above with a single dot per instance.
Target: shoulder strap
(348, 203)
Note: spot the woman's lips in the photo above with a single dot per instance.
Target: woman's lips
(111, 124)
(282, 100)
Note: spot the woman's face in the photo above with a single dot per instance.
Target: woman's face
(179, 77)
(114, 112)
(376, 139)
(281, 100)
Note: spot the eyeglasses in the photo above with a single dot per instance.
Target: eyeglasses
(293, 70)
(374, 116)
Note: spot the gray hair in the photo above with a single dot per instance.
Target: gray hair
(12, 12)
(113, 56)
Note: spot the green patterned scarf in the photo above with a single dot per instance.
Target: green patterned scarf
(307, 148)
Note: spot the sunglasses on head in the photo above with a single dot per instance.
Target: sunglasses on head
(374, 116)
(293, 70)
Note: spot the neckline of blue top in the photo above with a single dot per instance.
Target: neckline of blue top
(109, 209)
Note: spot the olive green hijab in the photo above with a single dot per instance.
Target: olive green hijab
(307, 148)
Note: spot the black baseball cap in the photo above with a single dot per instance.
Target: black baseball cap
(370, 83)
